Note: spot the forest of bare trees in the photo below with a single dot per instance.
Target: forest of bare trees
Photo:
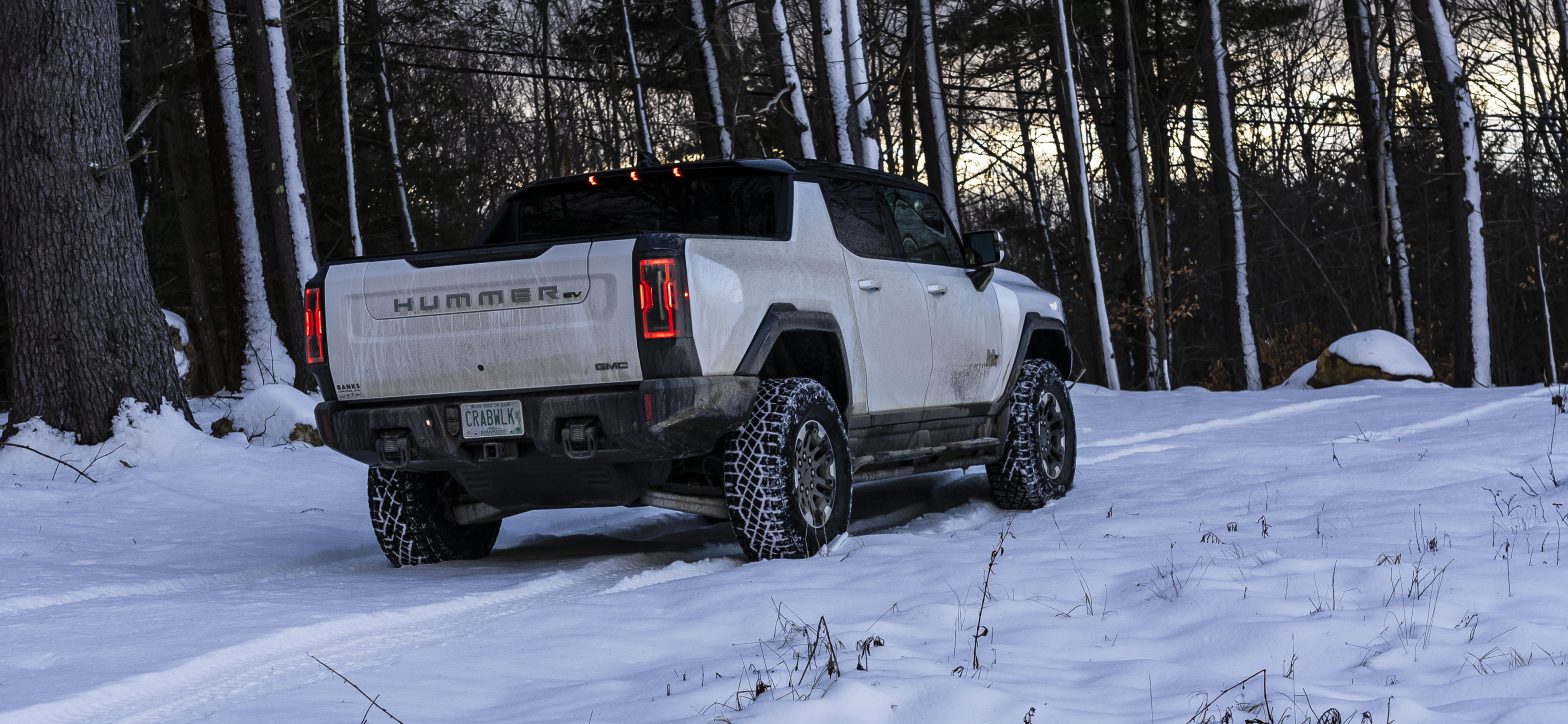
(1217, 188)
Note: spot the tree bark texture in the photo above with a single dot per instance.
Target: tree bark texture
(86, 329)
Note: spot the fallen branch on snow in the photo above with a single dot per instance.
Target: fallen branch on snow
(368, 697)
(35, 451)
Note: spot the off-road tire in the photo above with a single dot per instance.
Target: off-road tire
(763, 470)
(1022, 479)
(409, 512)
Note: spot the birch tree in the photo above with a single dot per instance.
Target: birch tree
(1078, 175)
(87, 333)
(1137, 190)
(1456, 120)
(699, 18)
(1378, 144)
(348, 134)
(1227, 173)
(832, 30)
(283, 278)
(928, 89)
(266, 359)
(865, 122)
(282, 99)
(384, 84)
(791, 77)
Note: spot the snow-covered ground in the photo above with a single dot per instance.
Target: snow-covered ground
(1365, 547)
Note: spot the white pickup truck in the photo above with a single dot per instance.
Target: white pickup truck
(736, 339)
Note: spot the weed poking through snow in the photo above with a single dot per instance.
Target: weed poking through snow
(985, 596)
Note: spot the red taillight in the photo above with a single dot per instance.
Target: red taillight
(315, 337)
(658, 298)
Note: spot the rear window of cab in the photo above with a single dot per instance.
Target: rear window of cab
(727, 202)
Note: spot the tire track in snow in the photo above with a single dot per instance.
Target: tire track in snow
(1225, 423)
(1457, 418)
(1125, 452)
(264, 664)
(283, 571)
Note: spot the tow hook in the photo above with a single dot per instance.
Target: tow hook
(395, 449)
(580, 440)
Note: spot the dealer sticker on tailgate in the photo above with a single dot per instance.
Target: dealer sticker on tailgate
(492, 419)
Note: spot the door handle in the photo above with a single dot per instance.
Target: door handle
(870, 285)
(936, 289)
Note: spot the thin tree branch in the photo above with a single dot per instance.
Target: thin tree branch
(368, 698)
(35, 451)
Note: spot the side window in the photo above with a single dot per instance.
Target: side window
(856, 211)
(923, 233)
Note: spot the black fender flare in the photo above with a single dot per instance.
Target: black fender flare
(783, 317)
(1061, 356)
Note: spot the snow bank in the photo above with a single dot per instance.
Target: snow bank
(272, 415)
(1302, 377)
(140, 435)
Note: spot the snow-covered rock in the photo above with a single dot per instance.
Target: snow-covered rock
(1371, 355)
(272, 415)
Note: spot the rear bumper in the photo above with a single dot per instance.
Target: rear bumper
(665, 419)
(639, 429)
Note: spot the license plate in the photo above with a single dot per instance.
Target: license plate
(492, 419)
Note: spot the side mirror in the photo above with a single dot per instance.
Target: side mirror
(985, 250)
(986, 247)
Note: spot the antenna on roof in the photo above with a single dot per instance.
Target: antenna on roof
(645, 152)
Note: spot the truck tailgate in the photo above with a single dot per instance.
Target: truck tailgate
(400, 328)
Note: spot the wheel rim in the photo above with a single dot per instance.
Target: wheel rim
(1051, 432)
(816, 473)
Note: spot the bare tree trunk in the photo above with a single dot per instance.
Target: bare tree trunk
(1078, 174)
(908, 141)
(835, 75)
(86, 329)
(710, 63)
(1515, 26)
(791, 77)
(1227, 173)
(266, 359)
(773, 47)
(1157, 124)
(1042, 221)
(865, 122)
(645, 155)
(1137, 189)
(286, 104)
(348, 133)
(173, 139)
(230, 316)
(1462, 157)
(157, 50)
(933, 110)
(373, 11)
(1560, 10)
(285, 277)
(552, 137)
(1377, 141)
